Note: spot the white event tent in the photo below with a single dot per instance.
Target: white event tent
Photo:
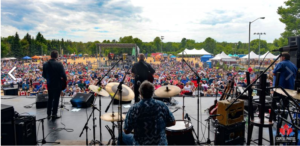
(268, 56)
(252, 56)
(194, 52)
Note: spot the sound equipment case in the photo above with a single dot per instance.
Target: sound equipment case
(230, 135)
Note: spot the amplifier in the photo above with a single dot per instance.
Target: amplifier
(231, 116)
(230, 135)
(25, 131)
(41, 100)
(7, 112)
(82, 100)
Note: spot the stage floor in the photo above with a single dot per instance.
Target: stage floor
(76, 119)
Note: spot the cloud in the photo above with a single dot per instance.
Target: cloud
(91, 20)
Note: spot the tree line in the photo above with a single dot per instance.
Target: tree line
(38, 45)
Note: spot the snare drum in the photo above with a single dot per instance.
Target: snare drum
(181, 133)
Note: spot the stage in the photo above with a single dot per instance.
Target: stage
(76, 119)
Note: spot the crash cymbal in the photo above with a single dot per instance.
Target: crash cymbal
(95, 89)
(292, 93)
(167, 91)
(111, 118)
(127, 93)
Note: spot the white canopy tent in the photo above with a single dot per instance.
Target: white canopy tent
(268, 56)
(252, 56)
(194, 52)
(221, 56)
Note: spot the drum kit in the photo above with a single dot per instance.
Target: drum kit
(182, 128)
(177, 134)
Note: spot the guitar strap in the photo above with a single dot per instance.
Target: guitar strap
(144, 64)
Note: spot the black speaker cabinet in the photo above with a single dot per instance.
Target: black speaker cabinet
(25, 131)
(82, 100)
(295, 57)
(41, 100)
(230, 135)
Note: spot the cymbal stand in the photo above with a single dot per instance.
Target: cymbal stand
(198, 99)
(99, 83)
(112, 134)
(86, 125)
(94, 141)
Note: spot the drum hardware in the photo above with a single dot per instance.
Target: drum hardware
(86, 124)
(181, 133)
(112, 134)
(99, 84)
(100, 93)
(119, 90)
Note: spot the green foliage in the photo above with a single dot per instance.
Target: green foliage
(210, 45)
(290, 16)
(254, 46)
(4, 49)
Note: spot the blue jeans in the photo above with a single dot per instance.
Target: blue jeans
(127, 139)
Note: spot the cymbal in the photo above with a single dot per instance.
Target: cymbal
(293, 93)
(127, 93)
(111, 118)
(102, 92)
(167, 91)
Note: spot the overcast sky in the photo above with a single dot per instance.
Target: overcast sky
(90, 20)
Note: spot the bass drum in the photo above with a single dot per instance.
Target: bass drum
(181, 133)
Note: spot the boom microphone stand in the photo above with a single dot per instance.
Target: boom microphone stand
(44, 139)
(99, 83)
(198, 99)
(119, 90)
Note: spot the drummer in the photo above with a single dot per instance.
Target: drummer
(148, 118)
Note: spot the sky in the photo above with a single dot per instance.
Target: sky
(91, 20)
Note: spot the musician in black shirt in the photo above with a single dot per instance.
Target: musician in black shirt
(55, 74)
(142, 71)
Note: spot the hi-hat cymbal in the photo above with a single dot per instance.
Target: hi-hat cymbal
(109, 117)
(102, 92)
(127, 93)
(292, 93)
(167, 91)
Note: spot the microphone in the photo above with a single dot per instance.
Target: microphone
(287, 48)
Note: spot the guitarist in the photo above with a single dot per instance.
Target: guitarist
(56, 77)
(142, 71)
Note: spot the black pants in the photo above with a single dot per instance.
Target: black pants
(136, 93)
(53, 101)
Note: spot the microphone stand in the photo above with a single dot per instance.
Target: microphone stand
(119, 90)
(99, 83)
(198, 99)
(86, 125)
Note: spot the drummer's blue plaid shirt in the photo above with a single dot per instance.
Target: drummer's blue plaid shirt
(148, 119)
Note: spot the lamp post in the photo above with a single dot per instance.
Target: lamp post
(259, 34)
(249, 39)
(162, 38)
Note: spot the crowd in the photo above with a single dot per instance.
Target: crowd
(80, 76)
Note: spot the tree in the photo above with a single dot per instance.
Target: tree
(190, 44)
(183, 43)
(157, 43)
(16, 47)
(210, 45)
(290, 16)
(4, 49)
(24, 47)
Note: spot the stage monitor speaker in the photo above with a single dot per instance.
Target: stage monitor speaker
(41, 100)
(25, 131)
(295, 57)
(230, 135)
(82, 100)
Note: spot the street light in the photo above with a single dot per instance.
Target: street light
(260, 33)
(162, 38)
(249, 39)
